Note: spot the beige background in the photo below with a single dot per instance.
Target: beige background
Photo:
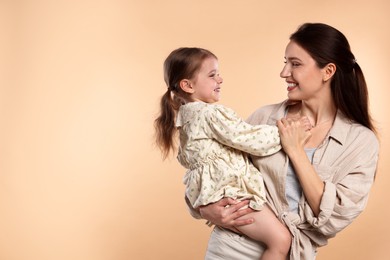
(80, 82)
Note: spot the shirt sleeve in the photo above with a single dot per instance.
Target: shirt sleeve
(346, 193)
(229, 129)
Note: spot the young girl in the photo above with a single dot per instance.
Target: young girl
(213, 143)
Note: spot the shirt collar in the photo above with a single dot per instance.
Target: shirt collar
(338, 132)
(340, 128)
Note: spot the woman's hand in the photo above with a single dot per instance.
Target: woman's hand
(224, 213)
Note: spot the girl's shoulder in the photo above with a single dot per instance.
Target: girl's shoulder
(220, 108)
(202, 108)
(189, 112)
(201, 111)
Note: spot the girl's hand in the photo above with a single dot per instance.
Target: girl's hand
(293, 135)
(224, 213)
(305, 123)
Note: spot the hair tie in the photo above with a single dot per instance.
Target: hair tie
(354, 62)
(172, 88)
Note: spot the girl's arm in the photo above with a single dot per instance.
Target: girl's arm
(227, 128)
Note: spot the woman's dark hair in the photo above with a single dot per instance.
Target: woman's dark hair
(182, 63)
(325, 45)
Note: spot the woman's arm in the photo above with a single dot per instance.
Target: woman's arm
(347, 182)
(224, 213)
(311, 183)
(335, 193)
(293, 139)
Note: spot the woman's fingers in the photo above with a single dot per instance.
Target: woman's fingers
(243, 221)
(227, 213)
(235, 211)
(236, 205)
(228, 202)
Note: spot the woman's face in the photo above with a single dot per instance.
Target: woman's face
(304, 78)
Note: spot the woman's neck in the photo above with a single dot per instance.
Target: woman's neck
(321, 118)
(318, 113)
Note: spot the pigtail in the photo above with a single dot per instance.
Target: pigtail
(164, 124)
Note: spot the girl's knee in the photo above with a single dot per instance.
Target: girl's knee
(281, 243)
(284, 242)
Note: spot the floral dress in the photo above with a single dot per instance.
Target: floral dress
(214, 143)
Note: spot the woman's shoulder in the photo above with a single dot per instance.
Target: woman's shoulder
(364, 134)
(263, 113)
(351, 133)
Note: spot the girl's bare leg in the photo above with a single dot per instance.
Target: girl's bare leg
(269, 230)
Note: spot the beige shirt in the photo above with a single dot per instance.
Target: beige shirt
(346, 161)
(212, 141)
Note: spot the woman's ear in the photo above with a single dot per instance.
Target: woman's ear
(329, 71)
(186, 86)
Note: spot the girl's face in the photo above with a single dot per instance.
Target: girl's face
(304, 78)
(206, 83)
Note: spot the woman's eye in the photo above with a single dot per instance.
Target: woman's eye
(295, 64)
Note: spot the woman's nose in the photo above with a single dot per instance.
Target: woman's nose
(285, 72)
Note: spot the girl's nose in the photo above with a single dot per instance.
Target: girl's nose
(219, 80)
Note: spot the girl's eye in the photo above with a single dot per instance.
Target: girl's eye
(295, 64)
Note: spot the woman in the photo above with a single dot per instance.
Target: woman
(319, 187)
